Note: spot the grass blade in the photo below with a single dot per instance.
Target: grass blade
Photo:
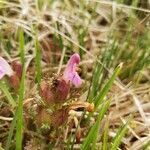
(96, 78)
(12, 127)
(1, 148)
(38, 61)
(19, 126)
(106, 88)
(99, 73)
(146, 146)
(94, 131)
(7, 94)
(120, 134)
(21, 44)
(105, 136)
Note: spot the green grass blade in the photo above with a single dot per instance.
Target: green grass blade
(106, 88)
(146, 146)
(94, 131)
(7, 94)
(38, 69)
(96, 77)
(60, 37)
(12, 127)
(21, 45)
(105, 136)
(19, 126)
(120, 134)
(1, 148)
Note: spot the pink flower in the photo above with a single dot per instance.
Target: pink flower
(70, 73)
(5, 68)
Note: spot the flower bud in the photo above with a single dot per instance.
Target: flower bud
(56, 118)
(17, 68)
(46, 93)
(14, 72)
(14, 81)
(56, 92)
(60, 90)
(90, 107)
(43, 116)
(59, 117)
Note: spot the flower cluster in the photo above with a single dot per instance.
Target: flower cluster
(57, 90)
(54, 91)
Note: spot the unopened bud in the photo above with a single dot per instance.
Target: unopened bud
(90, 107)
(17, 73)
(59, 117)
(46, 93)
(17, 68)
(14, 81)
(43, 116)
(60, 90)
(56, 92)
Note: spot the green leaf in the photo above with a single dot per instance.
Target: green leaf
(7, 94)
(105, 136)
(120, 134)
(94, 131)
(99, 70)
(146, 146)
(19, 126)
(10, 135)
(99, 99)
(21, 45)
(38, 69)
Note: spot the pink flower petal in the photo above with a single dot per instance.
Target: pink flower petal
(5, 68)
(70, 73)
(77, 80)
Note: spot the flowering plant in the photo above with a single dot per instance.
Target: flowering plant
(55, 93)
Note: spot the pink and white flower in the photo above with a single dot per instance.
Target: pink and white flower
(58, 91)
(70, 73)
(5, 68)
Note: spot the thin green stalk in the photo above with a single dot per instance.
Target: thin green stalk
(38, 69)
(105, 136)
(92, 136)
(60, 37)
(12, 127)
(120, 134)
(107, 86)
(21, 45)
(7, 94)
(19, 125)
(1, 148)
(146, 146)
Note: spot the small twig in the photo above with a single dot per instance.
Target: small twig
(6, 118)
